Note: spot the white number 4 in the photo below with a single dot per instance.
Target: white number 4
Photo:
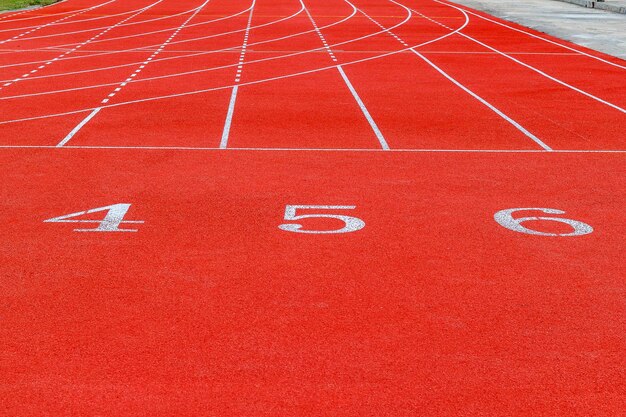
(352, 224)
(111, 222)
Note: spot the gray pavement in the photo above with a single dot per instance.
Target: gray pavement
(593, 28)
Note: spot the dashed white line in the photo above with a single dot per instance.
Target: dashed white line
(47, 63)
(54, 22)
(129, 79)
(370, 120)
(233, 95)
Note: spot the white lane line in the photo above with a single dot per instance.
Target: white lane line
(207, 90)
(255, 61)
(320, 34)
(146, 48)
(233, 96)
(227, 50)
(530, 67)
(165, 30)
(235, 49)
(229, 118)
(486, 103)
(381, 139)
(461, 86)
(536, 36)
(396, 150)
(129, 79)
(77, 47)
(150, 47)
(74, 22)
(36, 9)
(52, 23)
(78, 127)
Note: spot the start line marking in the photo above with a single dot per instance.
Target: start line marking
(191, 148)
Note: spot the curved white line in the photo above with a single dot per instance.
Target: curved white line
(45, 25)
(534, 69)
(74, 22)
(53, 35)
(542, 38)
(32, 10)
(219, 67)
(139, 35)
(147, 47)
(53, 60)
(156, 98)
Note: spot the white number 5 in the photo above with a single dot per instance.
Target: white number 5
(352, 224)
(505, 218)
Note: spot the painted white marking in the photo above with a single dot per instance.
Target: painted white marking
(200, 148)
(467, 90)
(229, 118)
(54, 22)
(351, 224)
(530, 67)
(78, 127)
(577, 51)
(381, 139)
(505, 219)
(106, 100)
(486, 103)
(111, 222)
(233, 95)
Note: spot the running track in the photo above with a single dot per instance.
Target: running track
(150, 150)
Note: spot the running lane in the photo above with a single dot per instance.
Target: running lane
(318, 109)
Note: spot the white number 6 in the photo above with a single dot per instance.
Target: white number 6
(352, 224)
(505, 219)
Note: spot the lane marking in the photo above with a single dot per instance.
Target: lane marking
(73, 23)
(144, 34)
(228, 50)
(229, 118)
(530, 67)
(486, 103)
(77, 47)
(377, 150)
(455, 82)
(8, 15)
(537, 37)
(147, 48)
(78, 127)
(214, 68)
(233, 96)
(129, 79)
(381, 139)
(207, 90)
(233, 50)
(52, 23)
(53, 35)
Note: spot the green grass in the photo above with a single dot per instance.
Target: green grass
(18, 4)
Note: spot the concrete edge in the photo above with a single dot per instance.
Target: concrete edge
(595, 4)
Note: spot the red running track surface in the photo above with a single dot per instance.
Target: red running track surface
(196, 124)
